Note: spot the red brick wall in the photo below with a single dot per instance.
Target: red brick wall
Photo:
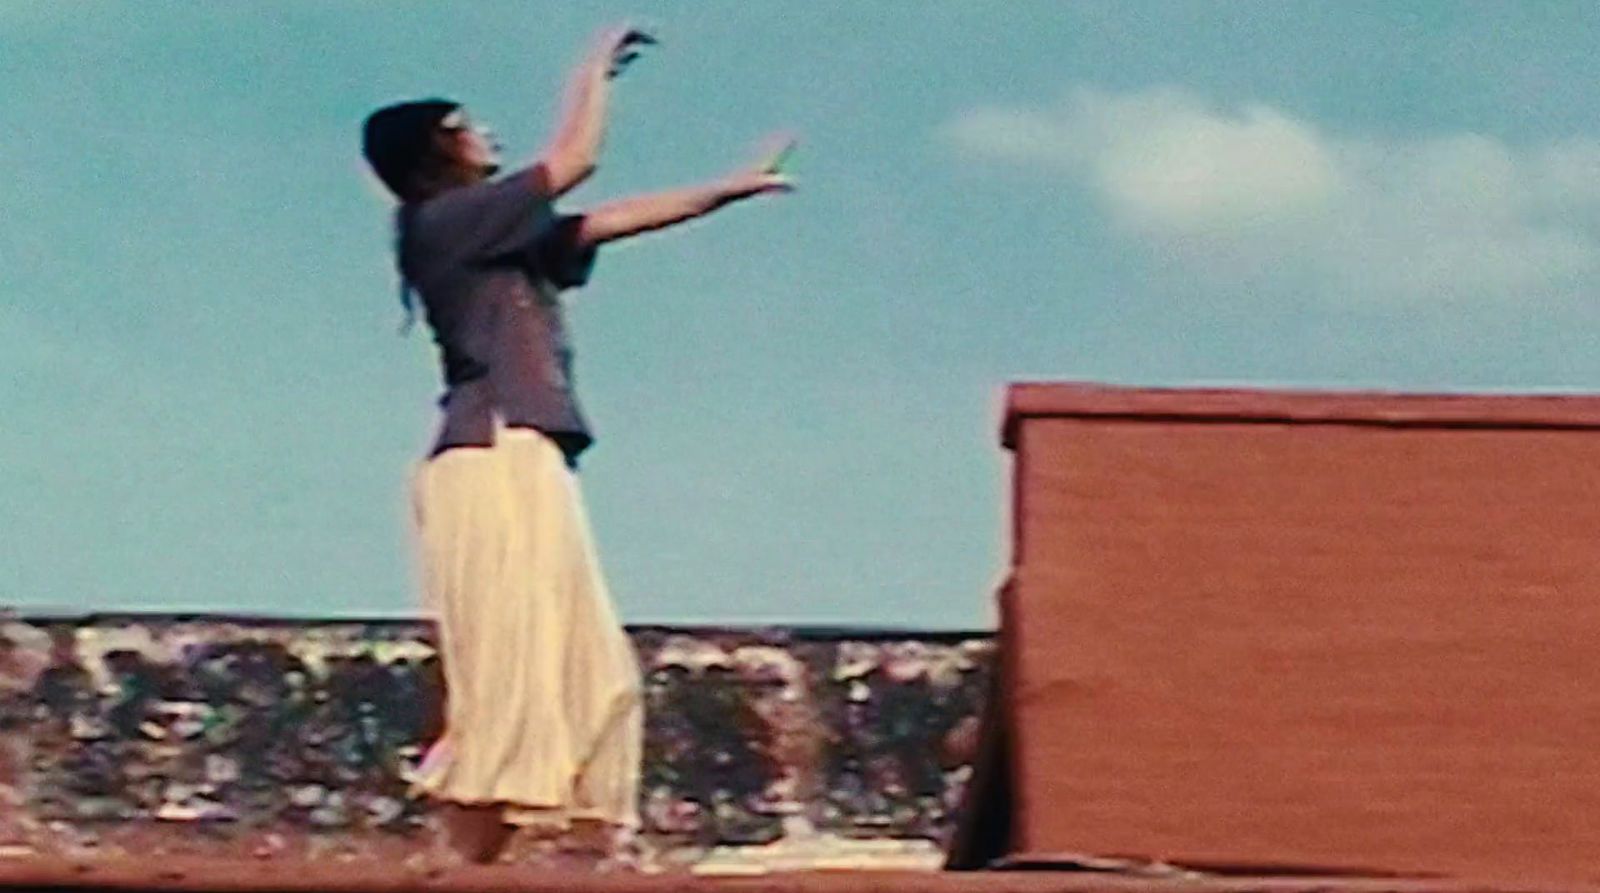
(1357, 633)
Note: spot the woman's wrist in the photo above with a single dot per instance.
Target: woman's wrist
(729, 188)
(750, 182)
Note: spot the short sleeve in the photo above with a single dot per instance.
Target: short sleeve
(510, 220)
(565, 261)
(495, 219)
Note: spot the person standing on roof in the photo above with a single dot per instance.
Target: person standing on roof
(543, 717)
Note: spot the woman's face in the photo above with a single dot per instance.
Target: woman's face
(469, 145)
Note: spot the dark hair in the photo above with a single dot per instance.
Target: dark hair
(396, 140)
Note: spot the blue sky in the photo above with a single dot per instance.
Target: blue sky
(208, 407)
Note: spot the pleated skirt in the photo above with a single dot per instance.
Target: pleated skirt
(543, 711)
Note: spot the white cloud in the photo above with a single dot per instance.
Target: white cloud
(1253, 195)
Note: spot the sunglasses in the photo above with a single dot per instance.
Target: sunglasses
(457, 122)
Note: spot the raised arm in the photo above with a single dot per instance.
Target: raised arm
(652, 211)
(573, 150)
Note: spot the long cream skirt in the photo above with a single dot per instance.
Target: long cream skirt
(543, 711)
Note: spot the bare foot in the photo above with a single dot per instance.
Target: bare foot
(589, 836)
(477, 834)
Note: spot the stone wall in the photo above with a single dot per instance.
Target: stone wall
(285, 737)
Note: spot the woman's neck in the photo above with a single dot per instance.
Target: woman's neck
(432, 186)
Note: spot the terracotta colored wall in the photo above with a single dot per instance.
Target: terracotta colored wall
(1307, 641)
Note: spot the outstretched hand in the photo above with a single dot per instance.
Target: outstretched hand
(775, 152)
(643, 213)
(766, 175)
(618, 46)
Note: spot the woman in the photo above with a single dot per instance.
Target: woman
(543, 718)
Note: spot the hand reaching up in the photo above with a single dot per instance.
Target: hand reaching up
(618, 46)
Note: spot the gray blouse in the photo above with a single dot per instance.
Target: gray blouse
(489, 262)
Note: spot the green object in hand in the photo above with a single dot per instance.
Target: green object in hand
(781, 160)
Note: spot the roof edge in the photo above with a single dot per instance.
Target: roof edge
(1389, 409)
